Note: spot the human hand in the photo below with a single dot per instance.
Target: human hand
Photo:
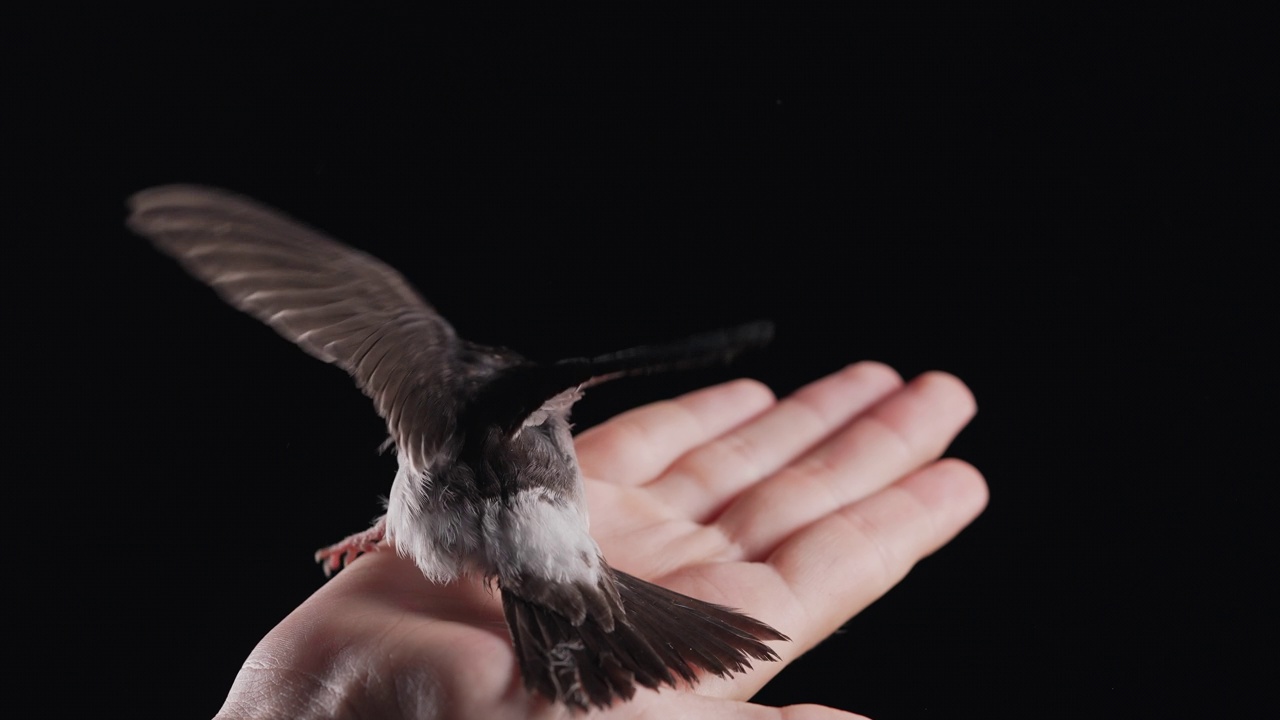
(800, 512)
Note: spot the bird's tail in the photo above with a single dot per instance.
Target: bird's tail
(661, 636)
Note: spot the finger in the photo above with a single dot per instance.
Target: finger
(829, 571)
(704, 480)
(903, 432)
(668, 705)
(638, 445)
(815, 712)
(841, 564)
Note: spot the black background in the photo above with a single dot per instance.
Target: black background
(1062, 209)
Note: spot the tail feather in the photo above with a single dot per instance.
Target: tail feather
(712, 637)
(661, 637)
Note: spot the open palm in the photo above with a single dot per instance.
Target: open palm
(800, 512)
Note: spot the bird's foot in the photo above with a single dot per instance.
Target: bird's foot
(341, 554)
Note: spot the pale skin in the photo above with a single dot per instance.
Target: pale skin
(800, 512)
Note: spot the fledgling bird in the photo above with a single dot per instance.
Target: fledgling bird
(488, 482)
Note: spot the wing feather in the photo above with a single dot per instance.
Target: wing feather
(338, 304)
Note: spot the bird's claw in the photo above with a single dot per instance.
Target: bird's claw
(341, 554)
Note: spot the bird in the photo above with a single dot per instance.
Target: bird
(488, 483)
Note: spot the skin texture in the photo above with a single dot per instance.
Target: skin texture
(800, 512)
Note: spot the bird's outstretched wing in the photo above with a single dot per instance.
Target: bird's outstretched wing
(525, 391)
(340, 305)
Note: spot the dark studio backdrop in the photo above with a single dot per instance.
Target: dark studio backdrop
(1056, 208)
